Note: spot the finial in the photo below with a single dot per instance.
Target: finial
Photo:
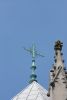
(58, 45)
(34, 53)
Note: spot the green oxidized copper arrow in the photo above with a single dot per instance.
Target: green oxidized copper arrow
(34, 53)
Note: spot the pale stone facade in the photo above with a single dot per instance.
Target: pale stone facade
(58, 76)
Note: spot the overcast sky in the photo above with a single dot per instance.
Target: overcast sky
(22, 23)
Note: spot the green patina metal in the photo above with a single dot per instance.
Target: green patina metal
(34, 53)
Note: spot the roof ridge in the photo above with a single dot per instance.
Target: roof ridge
(41, 87)
(22, 90)
(41, 92)
(33, 87)
(29, 92)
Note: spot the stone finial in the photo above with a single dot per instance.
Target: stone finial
(58, 45)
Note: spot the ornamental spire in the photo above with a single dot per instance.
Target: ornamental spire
(34, 53)
(58, 66)
(58, 75)
(58, 54)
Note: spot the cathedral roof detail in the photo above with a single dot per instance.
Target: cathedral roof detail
(33, 91)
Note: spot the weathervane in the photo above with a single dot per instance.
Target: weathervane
(34, 53)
